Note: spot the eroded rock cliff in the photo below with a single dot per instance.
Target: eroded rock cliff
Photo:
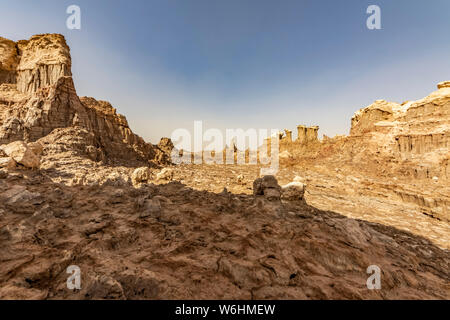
(37, 96)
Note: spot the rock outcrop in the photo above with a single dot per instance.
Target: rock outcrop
(414, 135)
(20, 152)
(44, 59)
(307, 134)
(8, 61)
(37, 96)
(268, 187)
(365, 119)
(293, 191)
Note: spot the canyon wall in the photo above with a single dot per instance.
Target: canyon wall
(8, 61)
(410, 139)
(43, 60)
(395, 153)
(37, 96)
(415, 135)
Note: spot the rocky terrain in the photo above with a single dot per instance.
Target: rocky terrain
(38, 96)
(78, 187)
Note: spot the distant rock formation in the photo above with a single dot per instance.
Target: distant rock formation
(8, 61)
(37, 96)
(388, 141)
(307, 134)
(412, 138)
(414, 133)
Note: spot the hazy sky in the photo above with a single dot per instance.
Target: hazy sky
(244, 63)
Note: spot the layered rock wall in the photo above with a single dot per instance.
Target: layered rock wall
(415, 135)
(37, 96)
(43, 60)
(8, 61)
(307, 134)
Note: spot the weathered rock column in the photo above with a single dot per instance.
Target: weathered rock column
(307, 134)
(312, 134)
(301, 138)
(288, 135)
(44, 59)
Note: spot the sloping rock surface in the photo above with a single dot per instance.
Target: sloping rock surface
(173, 242)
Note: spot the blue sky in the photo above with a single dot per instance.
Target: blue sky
(244, 63)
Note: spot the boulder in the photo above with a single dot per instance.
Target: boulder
(21, 153)
(165, 174)
(7, 162)
(166, 145)
(443, 84)
(268, 187)
(293, 191)
(36, 147)
(3, 174)
(95, 154)
(285, 155)
(272, 194)
(141, 175)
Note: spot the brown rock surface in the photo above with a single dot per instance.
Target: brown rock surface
(23, 154)
(8, 61)
(172, 242)
(44, 59)
(40, 97)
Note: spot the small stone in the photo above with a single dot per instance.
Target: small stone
(141, 175)
(267, 186)
(92, 153)
(293, 191)
(165, 174)
(285, 155)
(3, 174)
(7, 163)
(36, 147)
